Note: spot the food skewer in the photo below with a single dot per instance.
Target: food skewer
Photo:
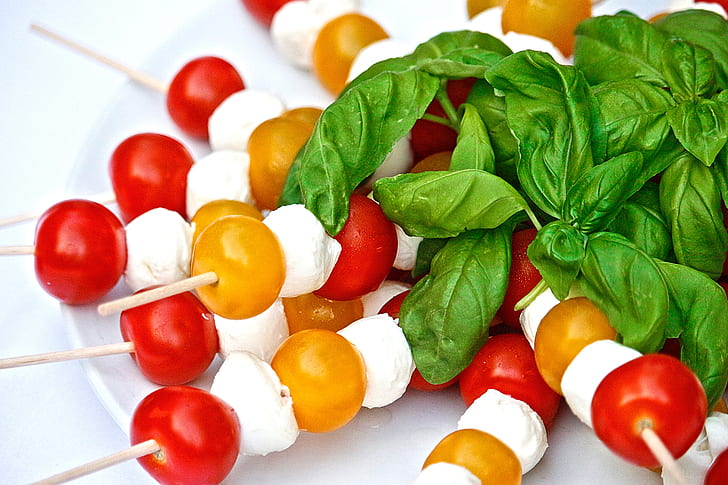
(65, 355)
(663, 455)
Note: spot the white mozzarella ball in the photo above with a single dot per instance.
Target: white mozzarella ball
(238, 115)
(263, 405)
(406, 249)
(309, 251)
(375, 52)
(532, 315)
(399, 160)
(713, 440)
(219, 175)
(158, 244)
(677, 5)
(330, 9)
(387, 358)
(510, 420)
(374, 301)
(293, 30)
(260, 335)
(443, 473)
(587, 370)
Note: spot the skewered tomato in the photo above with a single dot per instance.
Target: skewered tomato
(338, 43)
(147, 171)
(326, 376)
(312, 311)
(368, 248)
(718, 471)
(487, 457)
(554, 20)
(197, 89)
(567, 328)
(522, 278)
(654, 391)
(214, 210)
(174, 338)
(248, 261)
(506, 363)
(80, 251)
(477, 6)
(264, 10)
(197, 432)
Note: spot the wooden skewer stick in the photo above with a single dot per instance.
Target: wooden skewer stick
(137, 76)
(137, 451)
(16, 250)
(105, 198)
(64, 355)
(663, 455)
(158, 293)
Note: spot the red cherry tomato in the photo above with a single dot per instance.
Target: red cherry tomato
(147, 171)
(506, 363)
(522, 278)
(197, 89)
(368, 248)
(198, 433)
(80, 251)
(264, 10)
(656, 391)
(429, 137)
(718, 471)
(174, 338)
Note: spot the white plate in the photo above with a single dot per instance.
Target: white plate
(380, 446)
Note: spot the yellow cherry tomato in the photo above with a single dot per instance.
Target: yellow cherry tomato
(436, 161)
(248, 261)
(214, 210)
(553, 20)
(272, 146)
(337, 45)
(477, 6)
(487, 457)
(313, 311)
(306, 114)
(567, 328)
(326, 376)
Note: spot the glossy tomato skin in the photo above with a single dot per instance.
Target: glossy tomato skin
(198, 433)
(198, 89)
(264, 10)
(368, 248)
(149, 170)
(506, 363)
(80, 251)
(174, 338)
(718, 471)
(654, 390)
(522, 278)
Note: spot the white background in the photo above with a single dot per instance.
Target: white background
(50, 99)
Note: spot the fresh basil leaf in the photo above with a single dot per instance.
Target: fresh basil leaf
(557, 253)
(447, 313)
(701, 126)
(641, 221)
(627, 286)
(426, 251)
(634, 116)
(461, 63)
(702, 308)
(439, 204)
(394, 64)
(553, 115)
(448, 42)
(702, 28)
(689, 69)
(597, 196)
(354, 135)
(691, 203)
(492, 109)
(610, 48)
(291, 193)
(473, 148)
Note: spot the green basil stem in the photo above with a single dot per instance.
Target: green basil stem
(540, 287)
(532, 217)
(450, 111)
(438, 119)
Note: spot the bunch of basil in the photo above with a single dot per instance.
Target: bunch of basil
(619, 161)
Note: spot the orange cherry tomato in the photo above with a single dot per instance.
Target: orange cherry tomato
(477, 6)
(337, 45)
(487, 457)
(306, 114)
(249, 264)
(554, 20)
(272, 147)
(214, 210)
(312, 311)
(326, 376)
(436, 161)
(567, 328)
